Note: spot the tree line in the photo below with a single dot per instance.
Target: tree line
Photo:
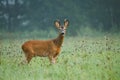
(19, 15)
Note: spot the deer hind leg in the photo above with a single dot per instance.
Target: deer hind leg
(27, 59)
(29, 56)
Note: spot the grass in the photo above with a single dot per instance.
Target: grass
(80, 59)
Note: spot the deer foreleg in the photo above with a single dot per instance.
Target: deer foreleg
(52, 59)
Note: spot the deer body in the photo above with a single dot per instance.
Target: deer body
(45, 48)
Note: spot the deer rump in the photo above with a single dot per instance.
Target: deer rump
(40, 48)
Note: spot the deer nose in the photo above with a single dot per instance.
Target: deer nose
(63, 32)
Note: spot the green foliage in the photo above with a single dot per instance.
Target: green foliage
(88, 31)
(29, 34)
(80, 59)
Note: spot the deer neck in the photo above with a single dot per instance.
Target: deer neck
(59, 40)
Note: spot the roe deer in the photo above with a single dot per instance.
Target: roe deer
(46, 48)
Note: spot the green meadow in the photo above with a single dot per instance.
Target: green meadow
(81, 58)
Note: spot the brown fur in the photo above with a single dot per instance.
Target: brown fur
(48, 48)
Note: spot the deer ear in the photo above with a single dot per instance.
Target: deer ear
(57, 23)
(66, 23)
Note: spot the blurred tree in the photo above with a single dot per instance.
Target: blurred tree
(2, 20)
(11, 13)
(40, 14)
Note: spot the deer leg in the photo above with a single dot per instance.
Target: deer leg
(29, 55)
(52, 59)
(55, 56)
(28, 58)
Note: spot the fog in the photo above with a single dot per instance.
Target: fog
(36, 17)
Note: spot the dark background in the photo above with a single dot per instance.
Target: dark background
(28, 15)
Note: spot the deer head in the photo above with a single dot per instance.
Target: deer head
(62, 28)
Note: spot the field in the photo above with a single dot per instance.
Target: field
(80, 59)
